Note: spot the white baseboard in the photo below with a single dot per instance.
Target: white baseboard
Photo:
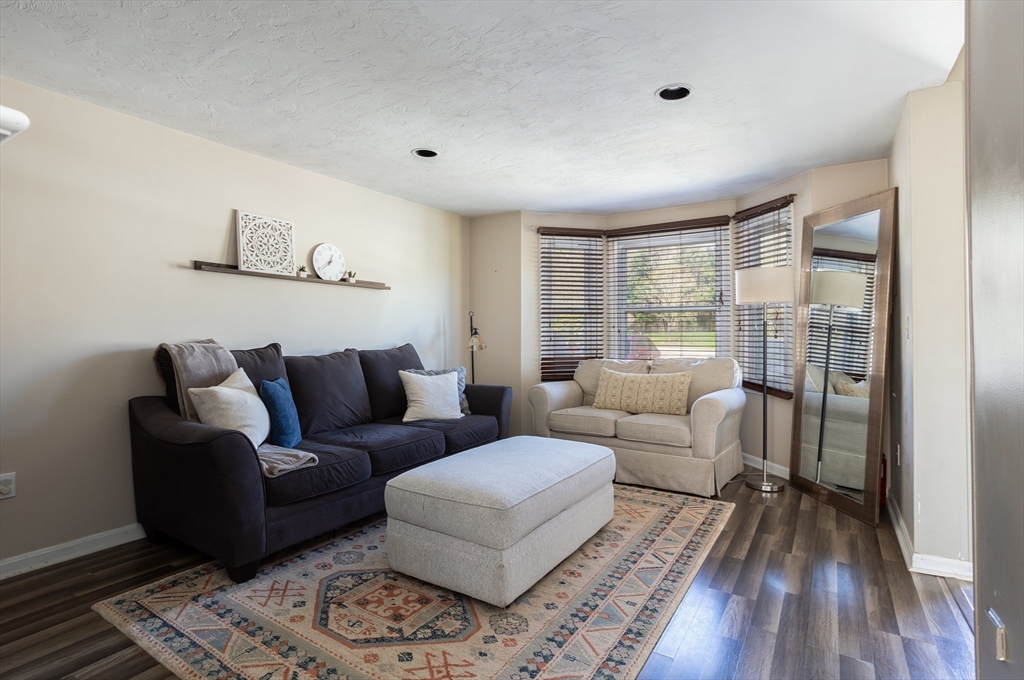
(773, 468)
(61, 552)
(926, 564)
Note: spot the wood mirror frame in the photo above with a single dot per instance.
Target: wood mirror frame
(885, 203)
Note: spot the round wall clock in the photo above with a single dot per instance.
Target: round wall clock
(328, 262)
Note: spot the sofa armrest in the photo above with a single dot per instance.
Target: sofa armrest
(552, 396)
(715, 421)
(491, 400)
(196, 483)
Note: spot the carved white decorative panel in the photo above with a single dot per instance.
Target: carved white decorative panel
(265, 244)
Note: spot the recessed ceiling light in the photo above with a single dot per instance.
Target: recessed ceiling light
(424, 153)
(674, 92)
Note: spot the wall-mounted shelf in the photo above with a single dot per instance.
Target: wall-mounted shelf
(219, 268)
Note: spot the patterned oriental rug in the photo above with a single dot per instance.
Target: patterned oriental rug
(335, 610)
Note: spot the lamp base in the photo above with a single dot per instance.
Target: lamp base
(770, 484)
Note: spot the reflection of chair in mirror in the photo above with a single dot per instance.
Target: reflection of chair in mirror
(844, 445)
(836, 289)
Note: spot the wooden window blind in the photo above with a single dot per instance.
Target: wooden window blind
(571, 300)
(852, 330)
(763, 237)
(669, 290)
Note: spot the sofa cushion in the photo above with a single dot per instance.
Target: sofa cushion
(262, 363)
(381, 367)
(390, 447)
(337, 468)
(461, 434)
(588, 373)
(329, 391)
(655, 428)
(585, 420)
(708, 375)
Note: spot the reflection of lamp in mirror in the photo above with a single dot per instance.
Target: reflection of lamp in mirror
(835, 289)
(476, 343)
(764, 285)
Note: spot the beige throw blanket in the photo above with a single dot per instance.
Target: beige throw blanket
(276, 460)
(198, 364)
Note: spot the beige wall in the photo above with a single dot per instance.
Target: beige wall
(815, 190)
(931, 482)
(101, 217)
(495, 299)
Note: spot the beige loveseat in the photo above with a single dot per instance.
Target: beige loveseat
(696, 453)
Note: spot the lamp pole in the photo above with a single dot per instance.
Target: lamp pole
(764, 484)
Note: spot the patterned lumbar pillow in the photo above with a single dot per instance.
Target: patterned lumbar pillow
(234, 405)
(459, 371)
(861, 390)
(431, 397)
(638, 393)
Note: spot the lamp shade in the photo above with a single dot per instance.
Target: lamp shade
(764, 284)
(476, 343)
(830, 287)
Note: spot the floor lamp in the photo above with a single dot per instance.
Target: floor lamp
(835, 289)
(476, 343)
(763, 286)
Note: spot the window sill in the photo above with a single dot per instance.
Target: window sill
(772, 391)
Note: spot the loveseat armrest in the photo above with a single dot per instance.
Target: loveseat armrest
(715, 422)
(552, 396)
(196, 483)
(491, 400)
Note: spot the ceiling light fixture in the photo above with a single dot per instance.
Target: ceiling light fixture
(424, 153)
(674, 92)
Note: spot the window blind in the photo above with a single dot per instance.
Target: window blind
(669, 290)
(852, 330)
(571, 300)
(763, 237)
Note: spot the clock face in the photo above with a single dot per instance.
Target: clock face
(328, 262)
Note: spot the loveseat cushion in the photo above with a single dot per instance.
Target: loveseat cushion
(655, 428)
(706, 375)
(460, 434)
(381, 367)
(390, 447)
(329, 391)
(338, 467)
(586, 420)
(262, 363)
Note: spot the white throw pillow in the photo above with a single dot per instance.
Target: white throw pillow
(431, 397)
(235, 405)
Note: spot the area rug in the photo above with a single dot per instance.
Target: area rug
(335, 610)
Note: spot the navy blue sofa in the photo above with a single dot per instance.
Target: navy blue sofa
(202, 485)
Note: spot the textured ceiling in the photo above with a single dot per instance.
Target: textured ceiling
(533, 106)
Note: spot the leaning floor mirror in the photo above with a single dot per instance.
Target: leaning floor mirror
(842, 331)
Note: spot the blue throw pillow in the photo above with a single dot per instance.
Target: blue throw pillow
(284, 418)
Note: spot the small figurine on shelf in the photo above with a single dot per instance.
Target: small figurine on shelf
(349, 276)
(301, 271)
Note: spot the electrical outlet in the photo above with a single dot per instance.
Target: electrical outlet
(7, 487)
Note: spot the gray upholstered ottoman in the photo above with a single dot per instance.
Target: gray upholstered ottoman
(491, 521)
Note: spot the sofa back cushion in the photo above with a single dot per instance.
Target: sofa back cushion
(329, 391)
(588, 373)
(707, 375)
(262, 363)
(380, 368)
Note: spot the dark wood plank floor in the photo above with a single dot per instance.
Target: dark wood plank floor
(791, 589)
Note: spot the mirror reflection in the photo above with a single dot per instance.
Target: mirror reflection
(834, 428)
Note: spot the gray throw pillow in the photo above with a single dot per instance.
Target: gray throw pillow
(461, 370)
